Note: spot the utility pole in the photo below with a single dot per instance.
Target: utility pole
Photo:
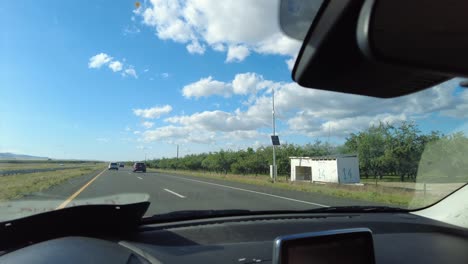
(177, 157)
(274, 134)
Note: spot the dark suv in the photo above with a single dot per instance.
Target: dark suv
(139, 166)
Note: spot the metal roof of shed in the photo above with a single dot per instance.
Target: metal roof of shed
(330, 157)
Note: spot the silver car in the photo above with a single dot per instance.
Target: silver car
(113, 166)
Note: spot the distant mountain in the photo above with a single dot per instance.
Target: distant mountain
(13, 156)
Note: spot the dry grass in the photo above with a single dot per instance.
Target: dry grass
(5, 166)
(18, 185)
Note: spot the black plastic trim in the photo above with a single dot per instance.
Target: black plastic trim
(362, 33)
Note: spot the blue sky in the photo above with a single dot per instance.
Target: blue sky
(104, 80)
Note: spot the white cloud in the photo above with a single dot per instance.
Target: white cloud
(243, 25)
(300, 111)
(237, 53)
(196, 48)
(136, 132)
(130, 72)
(204, 132)
(154, 112)
(290, 62)
(165, 16)
(243, 83)
(115, 66)
(103, 140)
(219, 121)
(201, 138)
(206, 87)
(165, 75)
(279, 44)
(147, 124)
(342, 127)
(257, 144)
(178, 134)
(459, 111)
(97, 61)
(314, 112)
(243, 135)
(319, 113)
(218, 47)
(247, 83)
(101, 59)
(165, 133)
(321, 105)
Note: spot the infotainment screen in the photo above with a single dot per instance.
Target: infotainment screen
(337, 246)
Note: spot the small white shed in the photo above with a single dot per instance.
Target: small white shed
(335, 169)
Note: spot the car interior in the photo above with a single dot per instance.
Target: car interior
(350, 47)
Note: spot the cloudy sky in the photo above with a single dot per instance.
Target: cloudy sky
(106, 80)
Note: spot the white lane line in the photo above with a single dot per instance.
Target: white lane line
(139, 177)
(174, 193)
(250, 191)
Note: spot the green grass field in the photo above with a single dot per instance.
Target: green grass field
(395, 196)
(18, 185)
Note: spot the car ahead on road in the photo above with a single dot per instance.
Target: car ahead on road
(121, 165)
(113, 166)
(139, 166)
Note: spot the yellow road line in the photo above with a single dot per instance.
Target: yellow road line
(73, 196)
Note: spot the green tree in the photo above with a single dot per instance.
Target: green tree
(383, 150)
(210, 163)
(370, 146)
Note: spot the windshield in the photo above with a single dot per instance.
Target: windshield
(196, 99)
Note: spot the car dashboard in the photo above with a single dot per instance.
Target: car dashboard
(397, 238)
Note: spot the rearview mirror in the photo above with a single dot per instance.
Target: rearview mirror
(381, 48)
(425, 34)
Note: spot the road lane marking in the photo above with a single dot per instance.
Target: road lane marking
(250, 191)
(139, 177)
(174, 193)
(73, 196)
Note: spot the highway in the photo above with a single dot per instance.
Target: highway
(169, 193)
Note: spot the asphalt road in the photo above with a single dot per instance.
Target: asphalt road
(168, 193)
